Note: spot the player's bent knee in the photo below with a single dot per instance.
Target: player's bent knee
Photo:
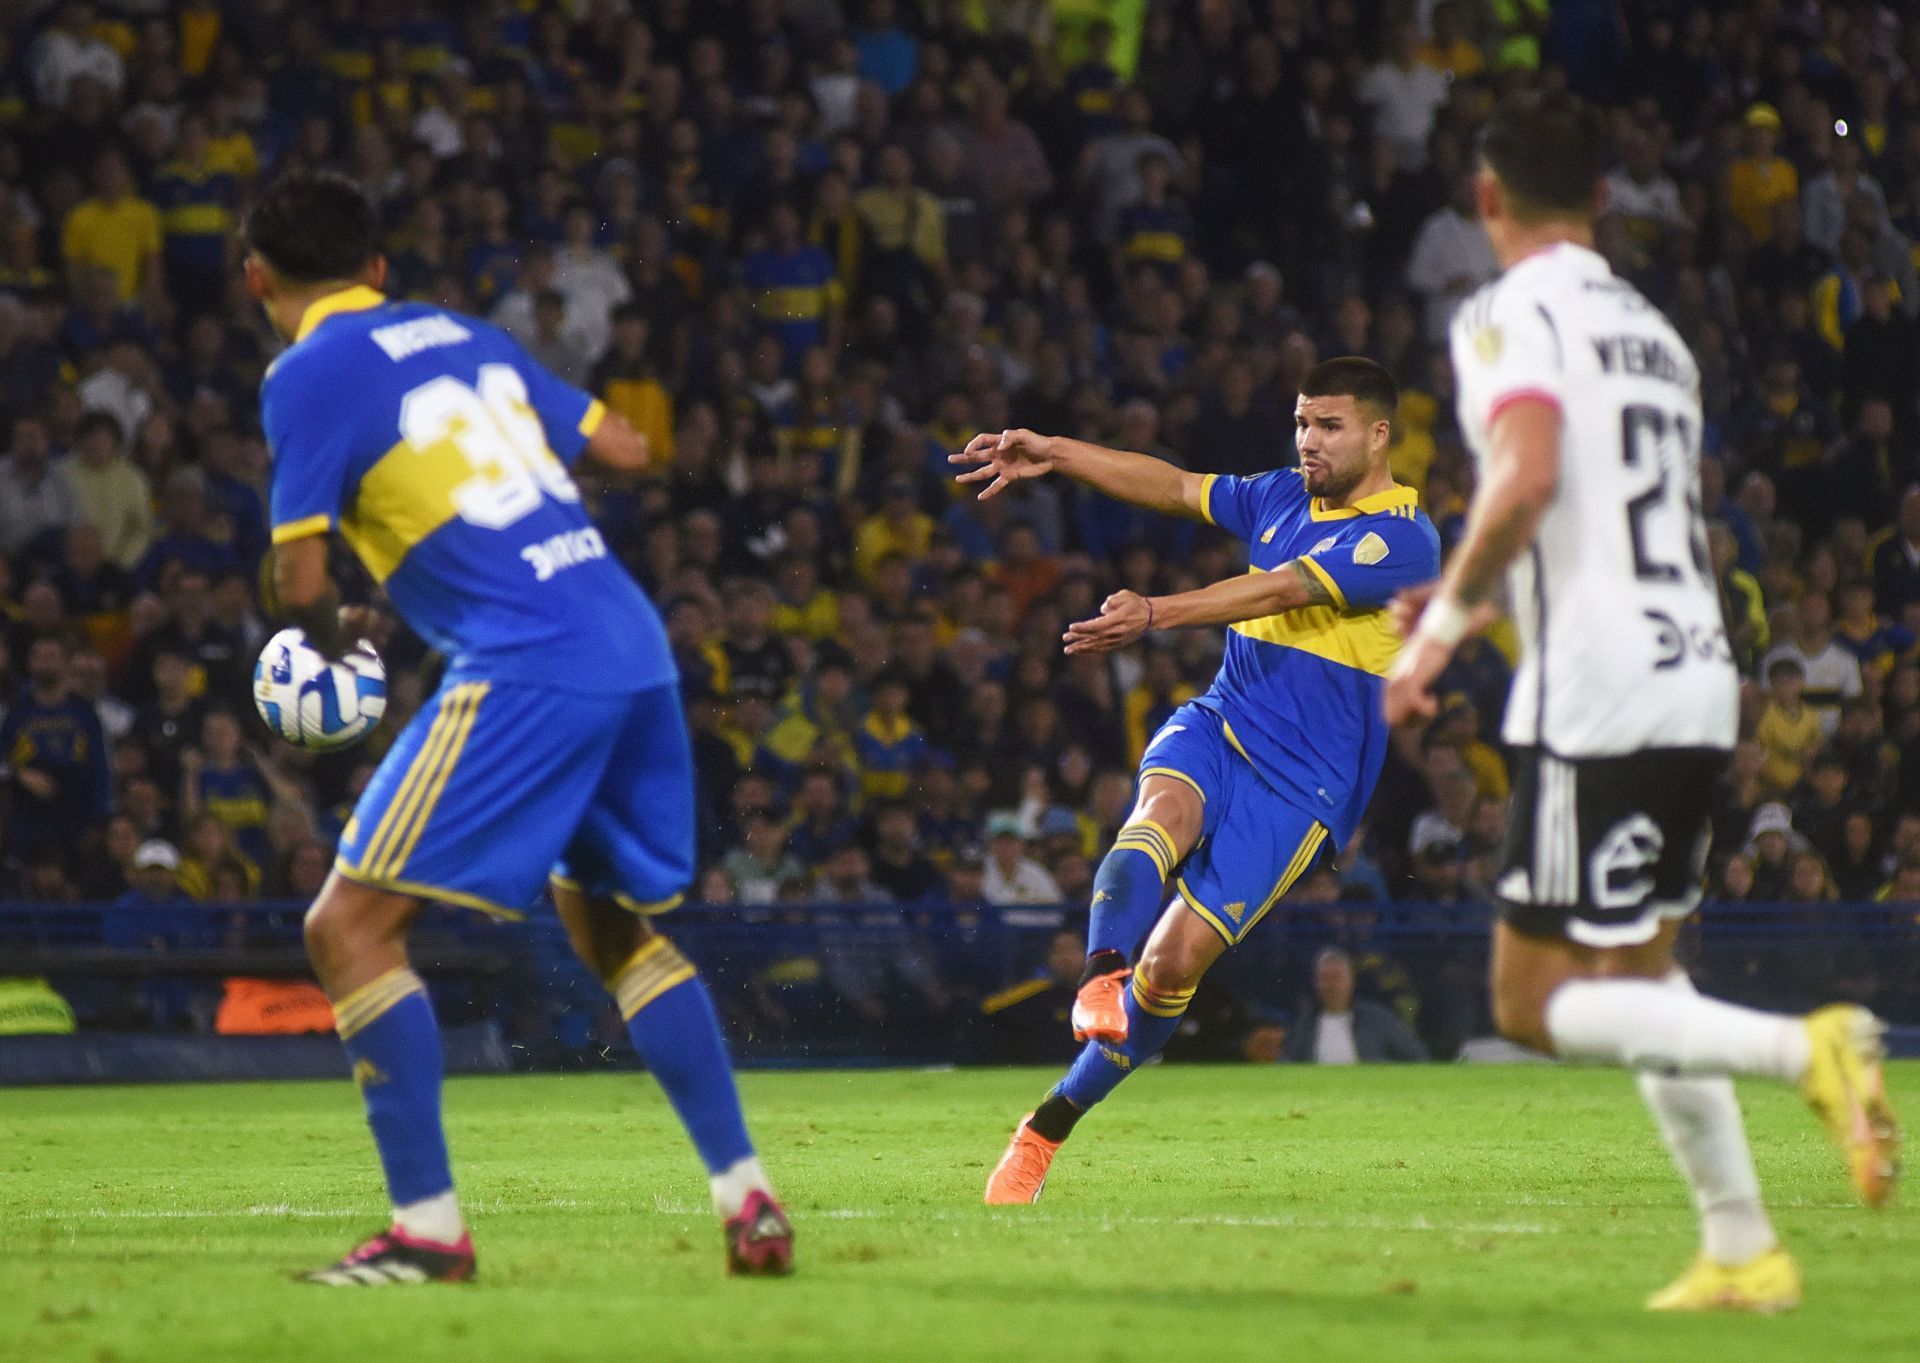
(1175, 808)
(1173, 963)
(348, 919)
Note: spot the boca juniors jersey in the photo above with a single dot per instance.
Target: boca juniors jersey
(439, 450)
(1300, 692)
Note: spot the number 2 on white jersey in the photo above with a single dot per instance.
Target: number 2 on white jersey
(494, 428)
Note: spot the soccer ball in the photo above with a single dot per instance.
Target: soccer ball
(313, 703)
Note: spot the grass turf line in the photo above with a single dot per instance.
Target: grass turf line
(1444, 1213)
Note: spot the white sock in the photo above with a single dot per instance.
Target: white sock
(1700, 1121)
(732, 1184)
(1645, 1025)
(432, 1218)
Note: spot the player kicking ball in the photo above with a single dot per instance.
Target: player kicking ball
(438, 450)
(1243, 788)
(1581, 405)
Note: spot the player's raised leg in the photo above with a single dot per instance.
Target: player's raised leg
(1180, 951)
(356, 936)
(1128, 891)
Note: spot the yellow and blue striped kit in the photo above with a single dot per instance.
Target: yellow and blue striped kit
(1285, 747)
(555, 746)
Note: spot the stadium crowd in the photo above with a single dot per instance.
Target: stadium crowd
(810, 248)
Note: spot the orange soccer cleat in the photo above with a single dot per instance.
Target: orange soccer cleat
(1022, 1171)
(1099, 1009)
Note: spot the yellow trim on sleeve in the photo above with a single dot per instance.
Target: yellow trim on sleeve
(590, 420)
(1206, 497)
(302, 528)
(1326, 580)
(438, 893)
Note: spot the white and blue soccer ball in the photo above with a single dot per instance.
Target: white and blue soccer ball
(314, 703)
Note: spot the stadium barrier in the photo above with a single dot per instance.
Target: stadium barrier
(827, 984)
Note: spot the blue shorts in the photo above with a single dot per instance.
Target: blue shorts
(497, 786)
(1254, 842)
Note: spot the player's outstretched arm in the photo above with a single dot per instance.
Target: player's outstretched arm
(1000, 459)
(1125, 616)
(1522, 473)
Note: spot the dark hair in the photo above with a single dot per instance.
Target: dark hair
(1356, 377)
(313, 226)
(98, 421)
(1546, 150)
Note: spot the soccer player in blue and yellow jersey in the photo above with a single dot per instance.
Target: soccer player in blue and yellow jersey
(1244, 787)
(438, 451)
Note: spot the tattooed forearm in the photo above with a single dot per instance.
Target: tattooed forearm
(1310, 583)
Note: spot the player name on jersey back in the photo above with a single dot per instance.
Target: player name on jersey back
(1623, 645)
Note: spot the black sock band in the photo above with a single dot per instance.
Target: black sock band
(1053, 1120)
(1103, 962)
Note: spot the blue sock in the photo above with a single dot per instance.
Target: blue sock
(394, 1043)
(672, 1024)
(1130, 888)
(1152, 1017)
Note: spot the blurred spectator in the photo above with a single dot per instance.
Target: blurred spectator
(1451, 257)
(1338, 1029)
(55, 758)
(1013, 877)
(35, 501)
(1831, 674)
(1789, 730)
(111, 493)
(1896, 560)
(1027, 1023)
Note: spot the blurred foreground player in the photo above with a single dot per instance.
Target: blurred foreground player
(1243, 788)
(1582, 407)
(555, 747)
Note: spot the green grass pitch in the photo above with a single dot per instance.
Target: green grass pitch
(1275, 1214)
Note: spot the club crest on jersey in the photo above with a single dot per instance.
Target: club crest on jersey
(1370, 550)
(1487, 343)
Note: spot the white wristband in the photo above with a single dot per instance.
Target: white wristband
(1445, 621)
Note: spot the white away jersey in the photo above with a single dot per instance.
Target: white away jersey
(1623, 646)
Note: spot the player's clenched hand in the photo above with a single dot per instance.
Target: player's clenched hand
(1407, 605)
(1409, 694)
(1004, 457)
(1123, 617)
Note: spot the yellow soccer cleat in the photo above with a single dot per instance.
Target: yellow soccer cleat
(1847, 1089)
(1767, 1286)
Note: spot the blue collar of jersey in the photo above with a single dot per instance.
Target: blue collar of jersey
(357, 298)
(1393, 499)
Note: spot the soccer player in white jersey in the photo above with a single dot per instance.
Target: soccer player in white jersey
(1582, 408)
